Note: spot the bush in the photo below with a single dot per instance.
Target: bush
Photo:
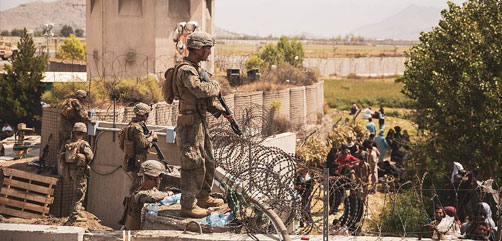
(66, 31)
(394, 113)
(146, 90)
(256, 62)
(5, 33)
(288, 74)
(404, 212)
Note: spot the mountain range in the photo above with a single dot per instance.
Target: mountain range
(34, 14)
(405, 25)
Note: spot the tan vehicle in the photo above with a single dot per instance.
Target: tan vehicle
(7, 48)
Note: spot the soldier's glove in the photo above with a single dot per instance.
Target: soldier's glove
(153, 136)
(81, 160)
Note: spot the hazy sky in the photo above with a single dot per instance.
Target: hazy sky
(318, 17)
(291, 17)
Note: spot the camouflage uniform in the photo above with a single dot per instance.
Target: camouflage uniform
(135, 203)
(77, 170)
(196, 98)
(68, 118)
(140, 145)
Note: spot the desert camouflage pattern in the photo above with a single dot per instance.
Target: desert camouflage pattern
(196, 98)
(78, 114)
(78, 172)
(141, 145)
(135, 203)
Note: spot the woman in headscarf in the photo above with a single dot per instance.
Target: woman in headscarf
(486, 209)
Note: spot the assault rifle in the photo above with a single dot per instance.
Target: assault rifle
(160, 155)
(41, 161)
(235, 127)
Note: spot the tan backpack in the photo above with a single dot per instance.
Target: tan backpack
(125, 144)
(66, 109)
(169, 88)
(72, 149)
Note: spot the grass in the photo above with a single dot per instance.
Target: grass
(317, 50)
(342, 93)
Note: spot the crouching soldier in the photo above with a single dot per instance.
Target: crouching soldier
(74, 159)
(147, 193)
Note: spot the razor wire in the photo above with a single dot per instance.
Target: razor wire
(268, 174)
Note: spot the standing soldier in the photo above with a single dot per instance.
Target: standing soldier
(135, 143)
(75, 157)
(148, 193)
(196, 98)
(72, 111)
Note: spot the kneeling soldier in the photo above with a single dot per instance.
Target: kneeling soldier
(147, 193)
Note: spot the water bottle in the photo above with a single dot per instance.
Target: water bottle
(218, 219)
(153, 209)
(170, 200)
(93, 113)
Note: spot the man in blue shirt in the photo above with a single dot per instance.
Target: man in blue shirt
(371, 127)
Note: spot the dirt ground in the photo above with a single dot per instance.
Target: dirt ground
(86, 220)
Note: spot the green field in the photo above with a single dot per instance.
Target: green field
(342, 93)
(317, 50)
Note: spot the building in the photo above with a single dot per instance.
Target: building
(133, 38)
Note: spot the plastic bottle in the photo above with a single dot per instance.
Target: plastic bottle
(153, 209)
(170, 200)
(93, 113)
(218, 219)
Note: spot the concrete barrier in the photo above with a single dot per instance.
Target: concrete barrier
(25, 232)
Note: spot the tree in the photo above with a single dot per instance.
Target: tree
(20, 87)
(5, 33)
(66, 31)
(79, 32)
(72, 48)
(291, 51)
(285, 51)
(455, 76)
(16, 32)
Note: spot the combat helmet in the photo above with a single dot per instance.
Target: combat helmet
(152, 168)
(141, 109)
(199, 39)
(80, 94)
(79, 127)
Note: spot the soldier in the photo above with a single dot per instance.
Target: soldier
(135, 143)
(72, 111)
(74, 159)
(148, 193)
(196, 98)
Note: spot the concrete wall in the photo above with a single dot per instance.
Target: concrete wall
(132, 38)
(362, 66)
(109, 183)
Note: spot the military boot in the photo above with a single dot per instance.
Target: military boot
(209, 202)
(195, 212)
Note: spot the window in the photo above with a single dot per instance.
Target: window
(130, 7)
(179, 8)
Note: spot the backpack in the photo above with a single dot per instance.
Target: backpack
(66, 109)
(71, 151)
(126, 145)
(169, 88)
